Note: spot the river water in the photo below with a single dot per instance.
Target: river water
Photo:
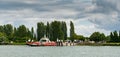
(65, 51)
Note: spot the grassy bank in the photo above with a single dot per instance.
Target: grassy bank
(111, 44)
(81, 44)
(18, 43)
(99, 44)
(23, 43)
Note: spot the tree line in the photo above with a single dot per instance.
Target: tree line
(54, 30)
(113, 37)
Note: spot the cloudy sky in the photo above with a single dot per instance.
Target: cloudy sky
(88, 15)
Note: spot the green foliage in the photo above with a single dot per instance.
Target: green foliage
(73, 37)
(48, 30)
(3, 37)
(60, 35)
(29, 34)
(97, 36)
(21, 34)
(21, 31)
(111, 37)
(20, 40)
(64, 30)
(56, 30)
(32, 32)
(78, 37)
(53, 30)
(8, 29)
(81, 37)
(119, 36)
(108, 38)
(114, 37)
(40, 30)
(2, 29)
(72, 33)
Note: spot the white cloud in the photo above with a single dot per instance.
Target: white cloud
(86, 28)
(102, 15)
(105, 14)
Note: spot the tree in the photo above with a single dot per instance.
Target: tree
(48, 30)
(111, 37)
(2, 29)
(29, 34)
(55, 30)
(119, 36)
(32, 32)
(8, 29)
(20, 34)
(103, 37)
(33, 35)
(22, 31)
(108, 38)
(64, 29)
(3, 38)
(115, 37)
(14, 34)
(80, 37)
(40, 30)
(71, 30)
(97, 36)
(51, 32)
(60, 35)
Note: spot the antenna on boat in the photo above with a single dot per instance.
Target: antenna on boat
(45, 36)
(57, 39)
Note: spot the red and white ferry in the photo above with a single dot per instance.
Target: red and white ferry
(43, 42)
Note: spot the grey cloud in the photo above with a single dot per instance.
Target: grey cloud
(74, 9)
(106, 6)
(42, 6)
(107, 13)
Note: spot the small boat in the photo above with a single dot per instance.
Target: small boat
(43, 42)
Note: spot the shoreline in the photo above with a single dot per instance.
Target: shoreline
(80, 44)
(99, 44)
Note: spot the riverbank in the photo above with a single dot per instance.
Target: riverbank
(80, 44)
(13, 43)
(18, 44)
(99, 44)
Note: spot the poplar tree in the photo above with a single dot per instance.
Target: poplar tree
(64, 30)
(48, 30)
(40, 30)
(72, 33)
(57, 32)
(32, 32)
(119, 36)
(115, 37)
(111, 36)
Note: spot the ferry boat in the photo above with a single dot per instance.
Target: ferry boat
(43, 42)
